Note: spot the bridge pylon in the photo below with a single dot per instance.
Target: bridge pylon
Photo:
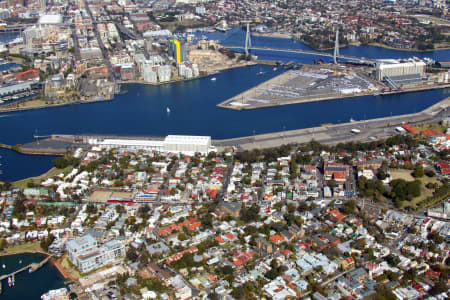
(336, 48)
(248, 40)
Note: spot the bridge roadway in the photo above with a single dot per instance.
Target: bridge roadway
(33, 267)
(304, 52)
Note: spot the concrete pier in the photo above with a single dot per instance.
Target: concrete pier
(326, 134)
(340, 133)
(313, 84)
(31, 267)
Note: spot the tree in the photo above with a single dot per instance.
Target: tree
(19, 208)
(349, 207)
(91, 209)
(418, 172)
(46, 242)
(249, 214)
(132, 254)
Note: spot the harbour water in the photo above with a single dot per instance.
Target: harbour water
(143, 109)
(16, 166)
(28, 285)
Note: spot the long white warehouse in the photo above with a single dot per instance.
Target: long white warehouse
(185, 144)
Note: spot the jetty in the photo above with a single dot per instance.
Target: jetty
(31, 268)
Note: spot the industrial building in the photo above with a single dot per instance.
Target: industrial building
(87, 256)
(185, 144)
(415, 69)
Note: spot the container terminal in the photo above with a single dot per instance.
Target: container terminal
(320, 82)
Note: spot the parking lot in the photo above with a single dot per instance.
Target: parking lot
(305, 85)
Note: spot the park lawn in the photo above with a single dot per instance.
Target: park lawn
(67, 266)
(424, 192)
(435, 127)
(27, 247)
(435, 20)
(51, 173)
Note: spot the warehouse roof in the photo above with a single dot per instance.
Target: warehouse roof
(187, 139)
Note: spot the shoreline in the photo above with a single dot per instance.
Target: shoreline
(9, 110)
(318, 99)
(242, 105)
(25, 252)
(444, 103)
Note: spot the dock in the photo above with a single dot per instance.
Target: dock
(31, 267)
(313, 84)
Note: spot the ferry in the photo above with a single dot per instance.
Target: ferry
(61, 293)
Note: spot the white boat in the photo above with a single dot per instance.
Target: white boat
(3, 266)
(168, 109)
(55, 294)
(352, 120)
(213, 79)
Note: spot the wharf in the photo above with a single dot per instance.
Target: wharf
(327, 134)
(310, 85)
(332, 134)
(31, 267)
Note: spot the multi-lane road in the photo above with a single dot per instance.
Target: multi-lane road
(333, 134)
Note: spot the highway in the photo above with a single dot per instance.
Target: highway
(309, 52)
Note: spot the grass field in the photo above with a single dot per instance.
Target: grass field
(52, 172)
(435, 20)
(424, 192)
(27, 247)
(435, 127)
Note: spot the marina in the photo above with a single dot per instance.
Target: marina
(41, 280)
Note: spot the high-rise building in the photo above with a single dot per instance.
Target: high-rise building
(177, 50)
(43, 4)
